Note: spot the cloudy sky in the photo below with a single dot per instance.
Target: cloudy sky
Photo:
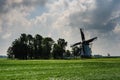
(62, 19)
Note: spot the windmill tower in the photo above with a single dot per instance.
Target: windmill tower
(85, 49)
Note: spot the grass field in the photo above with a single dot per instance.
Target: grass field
(87, 69)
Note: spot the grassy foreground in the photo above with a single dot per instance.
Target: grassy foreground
(88, 69)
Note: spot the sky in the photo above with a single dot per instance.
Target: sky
(62, 19)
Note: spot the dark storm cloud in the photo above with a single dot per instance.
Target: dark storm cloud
(7, 5)
(2, 6)
(34, 2)
(102, 14)
(100, 17)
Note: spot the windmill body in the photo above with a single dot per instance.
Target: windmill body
(85, 49)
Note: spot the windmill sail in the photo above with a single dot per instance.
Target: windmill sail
(76, 44)
(90, 40)
(82, 35)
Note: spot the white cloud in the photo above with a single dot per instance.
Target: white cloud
(6, 36)
(0, 26)
(0, 29)
(117, 28)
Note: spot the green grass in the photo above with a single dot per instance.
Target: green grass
(87, 69)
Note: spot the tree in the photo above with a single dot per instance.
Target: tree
(62, 43)
(29, 47)
(19, 48)
(10, 53)
(15, 49)
(56, 51)
(59, 48)
(47, 47)
(38, 46)
(76, 51)
(23, 46)
(67, 53)
(23, 38)
(30, 44)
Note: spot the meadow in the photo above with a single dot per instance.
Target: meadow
(85, 69)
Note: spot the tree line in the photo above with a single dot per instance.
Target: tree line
(37, 47)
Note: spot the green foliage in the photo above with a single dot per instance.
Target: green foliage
(57, 51)
(26, 47)
(29, 47)
(37, 46)
(59, 48)
(76, 51)
(68, 54)
(47, 47)
(87, 69)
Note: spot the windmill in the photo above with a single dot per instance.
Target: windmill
(85, 49)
